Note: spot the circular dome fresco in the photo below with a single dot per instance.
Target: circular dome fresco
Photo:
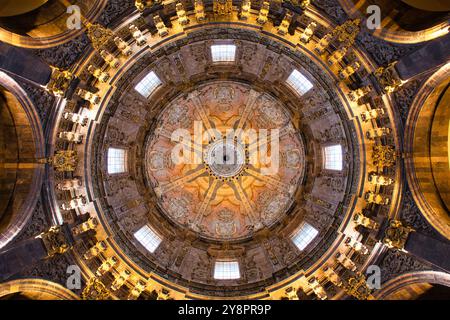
(219, 159)
(217, 180)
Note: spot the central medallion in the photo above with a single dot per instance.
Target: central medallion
(222, 188)
(225, 158)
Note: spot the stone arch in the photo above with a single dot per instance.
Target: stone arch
(22, 143)
(404, 21)
(427, 151)
(35, 289)
(43, 23)
(416, 281)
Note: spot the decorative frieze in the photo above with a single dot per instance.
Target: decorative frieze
(99, 35)
(347, 32)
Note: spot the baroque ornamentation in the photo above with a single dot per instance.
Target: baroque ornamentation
(55, 241)
(396, 235)
(388, 78)
(95, 290)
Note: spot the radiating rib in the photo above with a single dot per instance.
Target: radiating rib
(246, 202)
(249, 106)
(190, 144)
(269, 180)
(208, 197)
(201, 111)
(253, 147)
(179, 182)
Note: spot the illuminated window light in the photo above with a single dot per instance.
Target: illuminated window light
(116, 160)
(148, 238)
(148, 84)
(226, 270)
(223, 52)
(333, 157)
(304, 236)
(299, 83)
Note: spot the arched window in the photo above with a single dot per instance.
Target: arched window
(116, 160)
(223, 52)
(149, 239)
(299, 82)
(304, 235)
(226, 270)
(333, 157)
(148, 84)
